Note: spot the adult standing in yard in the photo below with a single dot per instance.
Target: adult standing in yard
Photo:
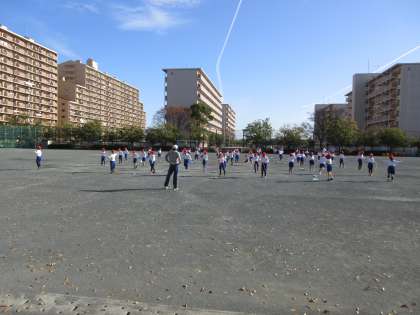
(173, 157)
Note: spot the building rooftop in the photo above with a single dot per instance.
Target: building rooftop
(25, 38)
(195, 69)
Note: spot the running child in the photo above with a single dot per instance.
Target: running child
(120, 156)
(126, 154)
(291, 163)
(371, 163)
(322, 164)
(103, 156)
(360, 158)
(311, 162)
(135, 156)
(222, 164)
(392, 164)
(237, 156)
(152, 161)
(38, 156)
(329, 163)
(143, 157)
(264, 164)
(341, 159)
(256, 163)
(205, 160)
(187, 159)
(112, 160)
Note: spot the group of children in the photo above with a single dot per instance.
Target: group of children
(326, 161)
(258, 160)
(137, 157)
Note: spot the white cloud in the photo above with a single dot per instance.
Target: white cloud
(175, 3)
(153, 15)
(80, 6)
(61, 47)
(147, 18)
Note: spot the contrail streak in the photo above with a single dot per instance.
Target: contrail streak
(381, 68)
(219, 59)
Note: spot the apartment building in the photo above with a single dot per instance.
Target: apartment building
(349, 100)
(359, 97)
(85, 94)
(187, 86)
(393, 99)
(28, 80)
(228, 122)
(324, 113)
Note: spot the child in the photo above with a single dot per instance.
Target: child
(392, 164)
(126, 153)
(280, 152)
(360, 158)
(342, 159)
(256, 163)
(187, 159)
(264, 164)
(159, 153)
(232, 157)
(143, 157)
(302, 160)
(322, 163)
(291, 163)
(38, 154)
(112, 160)
(205, 160)
(120, 156)
(103, 156)
(222, 164)
(135, 158)
(311, 162)
(371, 163)
(237, 156)
(329, 161)
(152, 161)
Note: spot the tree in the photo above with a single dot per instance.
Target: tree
(392, 137)
(369, 137)
(180, 118)
(48, 132)
(68, 132)
(19, 120)
(291, 137)
(111, 135)
(342, 132)
(159, 118)
(131, 134)
(91, 131)
(259, 132)
(215, 139)
(162, 134)
(201, 115)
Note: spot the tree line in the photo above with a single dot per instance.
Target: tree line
(338, 132)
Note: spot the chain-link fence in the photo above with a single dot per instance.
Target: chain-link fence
(19, 136)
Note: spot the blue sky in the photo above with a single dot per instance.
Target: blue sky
(282, 57)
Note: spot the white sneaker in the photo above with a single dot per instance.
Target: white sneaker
(167, 187)
(176, 189)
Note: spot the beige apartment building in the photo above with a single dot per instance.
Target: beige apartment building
(228, 122)
(393, 99)
(187, 86)
(28, 80)
(85, 94)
